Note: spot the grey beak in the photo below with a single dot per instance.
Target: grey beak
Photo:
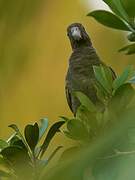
(76, 35)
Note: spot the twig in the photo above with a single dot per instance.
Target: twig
(118, 153)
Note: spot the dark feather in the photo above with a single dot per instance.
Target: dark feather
(68, 96)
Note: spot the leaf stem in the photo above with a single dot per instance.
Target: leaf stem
(118, 153)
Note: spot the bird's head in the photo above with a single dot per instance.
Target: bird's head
(78, 36)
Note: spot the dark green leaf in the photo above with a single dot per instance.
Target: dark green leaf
(4, 164)
(64, 118)
(77, 130)
(32, 135)
(69, 153)
(123, 96)
(5, 174)
(129, 6)
(99, 76)
(67, 134)
(20, 144)
(15, 154)
(108, 76)
(54, 153)
(123, 78)
(131, 37)
(85, 101)
(129, 49)
(117, 7)
(14, 127)
(104, 77)
(41, 164)
(43, 127)
(3, 144)
(16, 141)
(13, 139)
(89, 118)
(19, 161)
(52, 131)
(108, 19)
(101, 92)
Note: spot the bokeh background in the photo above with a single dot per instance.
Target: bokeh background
(34, 52)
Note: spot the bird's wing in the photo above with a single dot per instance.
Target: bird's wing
(69, 98)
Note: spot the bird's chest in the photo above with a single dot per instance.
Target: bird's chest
(80, 67)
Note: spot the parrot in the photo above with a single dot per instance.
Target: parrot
(80, 74)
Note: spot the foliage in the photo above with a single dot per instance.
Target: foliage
(121, 17)
(90, 119)
(21, 156)
(105, 137)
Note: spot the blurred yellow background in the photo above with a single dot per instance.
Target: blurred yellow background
(34, 52)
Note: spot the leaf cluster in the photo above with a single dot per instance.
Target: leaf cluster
(22, 155)
(116, 96)
(121, 17)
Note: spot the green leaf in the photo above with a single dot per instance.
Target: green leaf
(69, 153)
(117, 7)
(3, 144)
(19, 161)
(54, 153)
(89, 118)
(132, 80)
(43, 127)
(64, 118)
(85, 101)
(5, 174)
(32, 135)
(104, 90)
(16, 129)
(107, 75)
(14, 126)
(67, 134)
(131, 135)
(16, 141)
(123, 96)
(20, 144)
(131, 37)
(13, 139)
(77, 130)
(104, 77)
(4, 164)
(41, 164)
(101, 93)
(129, 49)
(120, 80)
(108, 19)
(129, 6)
(52, 131)
(15, 154)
